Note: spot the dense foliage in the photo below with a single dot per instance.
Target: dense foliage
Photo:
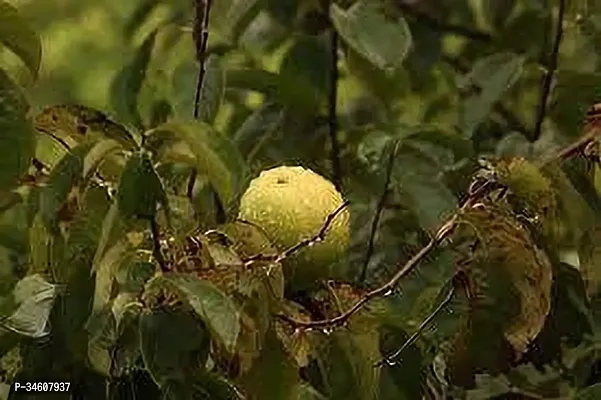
(460, 134)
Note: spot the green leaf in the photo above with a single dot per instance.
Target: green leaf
(573, 95)
(74, 305)
(35, 298)
(215, 309)
(139, 16)
(63, 177)
(488, 386)
(140, 188)
(165, 358)
(72, 171)
(112, 231)
(17, 34)
(48, 150)
(126, 355)
(420, 164)
(428, 197)
(402, 380)
(103, 334)
(497, 13)
(386, 87)
(206, 385)
(233, 17)
(304, 75)
(364, 27)
(46, 250)
(304, 391)
(128, 83)
(106, 268)
(570, 318)
(346, 363)
(284, 12)
(526, 35)
(183, 217)
(257, 128)
(213, 153)
(17, 138)
(5, 390)
(589, 393)
(212, 90)
(72, 124)
(257, 80)
(113, 254)
(14, 227)
(272, 365)
(247, 241)
(133, 277)
(114, 346)
(484, 85)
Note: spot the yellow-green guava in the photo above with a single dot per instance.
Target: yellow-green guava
(291, 204)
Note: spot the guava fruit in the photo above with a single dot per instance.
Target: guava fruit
(291, 204)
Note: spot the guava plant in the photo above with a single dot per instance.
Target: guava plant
(304, 200)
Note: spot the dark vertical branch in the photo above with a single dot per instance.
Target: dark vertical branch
(551, 65)
(379, 209)
(332, 118)
(156, 245)
(200, 34)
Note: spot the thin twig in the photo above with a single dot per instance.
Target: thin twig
(378, 214)
(332, 111)
(381, 291)
(445, 230)
(477, 192)
(319, 237)
(156, 245)
(390, 360)
(200, 34)
(549, 74)
(593, 131)
(190, 186)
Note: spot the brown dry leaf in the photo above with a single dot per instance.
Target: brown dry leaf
(295, 341)
(72, 123)
(506, 244)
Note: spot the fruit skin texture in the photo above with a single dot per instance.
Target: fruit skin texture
(533, 191)
(291, 204)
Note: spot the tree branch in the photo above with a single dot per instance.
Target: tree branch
(200, 33)
(443, 232)
(332, 112)
(319, 237)
(379, 209)
(156, 245)
(390, 360)
(549, 74)
(475, 194)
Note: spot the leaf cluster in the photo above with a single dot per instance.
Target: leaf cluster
(125, 270)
